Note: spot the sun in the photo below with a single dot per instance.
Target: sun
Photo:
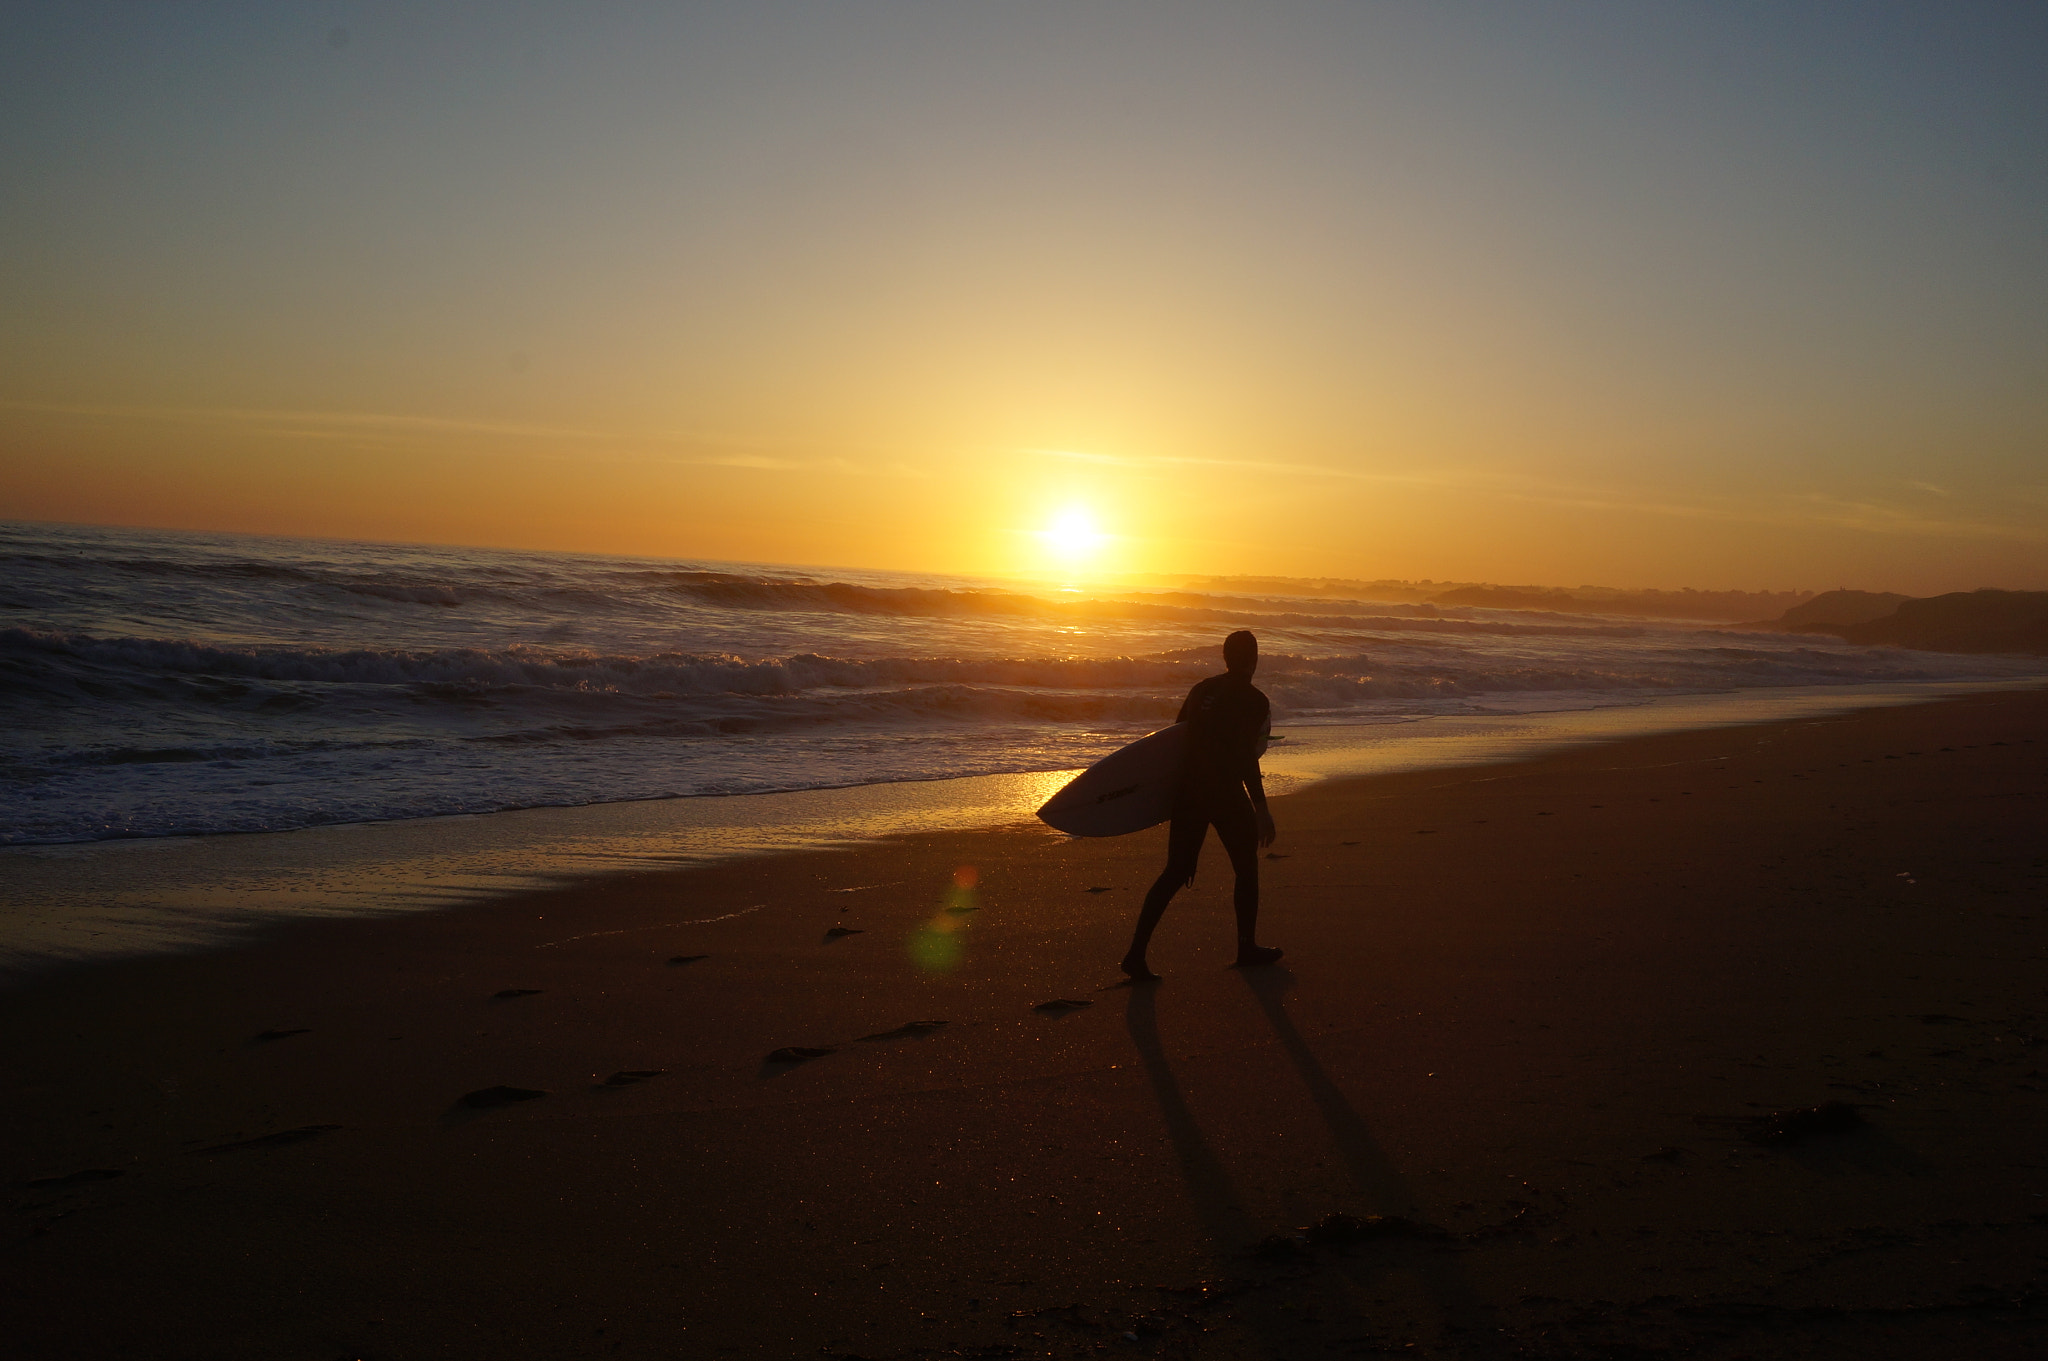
(1072, 535)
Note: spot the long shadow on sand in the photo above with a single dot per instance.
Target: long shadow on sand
(1215, 1199)
(1386, 1191)
(1316, 1282)
(1216, 1203)
(1465, 1323)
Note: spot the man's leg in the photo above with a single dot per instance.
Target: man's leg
(1238, 830)
(1183, 851)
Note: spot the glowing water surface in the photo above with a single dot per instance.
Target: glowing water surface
(105, 899)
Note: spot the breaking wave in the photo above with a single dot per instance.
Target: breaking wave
(156, 684)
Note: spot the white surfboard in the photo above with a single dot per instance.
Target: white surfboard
(1126, 791)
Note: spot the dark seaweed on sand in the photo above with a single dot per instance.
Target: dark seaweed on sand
(1282, 1247)
(1343, 1230)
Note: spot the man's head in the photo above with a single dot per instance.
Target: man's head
(1241, 653)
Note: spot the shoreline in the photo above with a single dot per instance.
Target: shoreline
(1538, 1012)
(77, 902)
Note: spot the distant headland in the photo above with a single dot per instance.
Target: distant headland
(1984, 620)
(1961, 621)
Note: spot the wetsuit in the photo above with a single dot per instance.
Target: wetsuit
(1227, 717)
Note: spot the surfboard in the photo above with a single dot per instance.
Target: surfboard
(1126, 791)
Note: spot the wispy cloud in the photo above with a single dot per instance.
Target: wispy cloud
(1170, 461)
(1806, 510)
(692, 448)
(312, 424)
(1880, 517)
(1491, 481)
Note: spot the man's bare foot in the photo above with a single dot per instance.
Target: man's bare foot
(1254, 955)
(1138, 971)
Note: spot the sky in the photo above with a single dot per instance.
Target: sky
(1726, 295)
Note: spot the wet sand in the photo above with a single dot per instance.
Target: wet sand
(1535, 1017)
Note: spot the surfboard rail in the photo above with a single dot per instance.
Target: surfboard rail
(1126, 791)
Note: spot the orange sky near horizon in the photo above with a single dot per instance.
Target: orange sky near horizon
(988, 512)
(1630, 295)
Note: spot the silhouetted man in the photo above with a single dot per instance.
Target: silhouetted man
(1220, 787)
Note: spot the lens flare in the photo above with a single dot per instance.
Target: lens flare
(939, 944)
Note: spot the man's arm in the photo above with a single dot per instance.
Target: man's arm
(1255, 785)
(1255, 780)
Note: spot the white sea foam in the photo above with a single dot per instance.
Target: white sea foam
(156, 684)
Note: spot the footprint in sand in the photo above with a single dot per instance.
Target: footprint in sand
(797, 1053)
(78, 1178)
(486, 1097)
(626, 1077)
(516, 992)
(274, 1140)
(904, 1031)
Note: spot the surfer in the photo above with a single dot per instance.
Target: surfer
(1220, 787)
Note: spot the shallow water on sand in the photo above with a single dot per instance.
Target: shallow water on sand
(106, 899)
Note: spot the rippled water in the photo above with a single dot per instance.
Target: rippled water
(156, 683)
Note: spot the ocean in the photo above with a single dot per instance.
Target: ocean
(157, 684)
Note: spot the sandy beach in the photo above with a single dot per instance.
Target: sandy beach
(1511, 1093)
